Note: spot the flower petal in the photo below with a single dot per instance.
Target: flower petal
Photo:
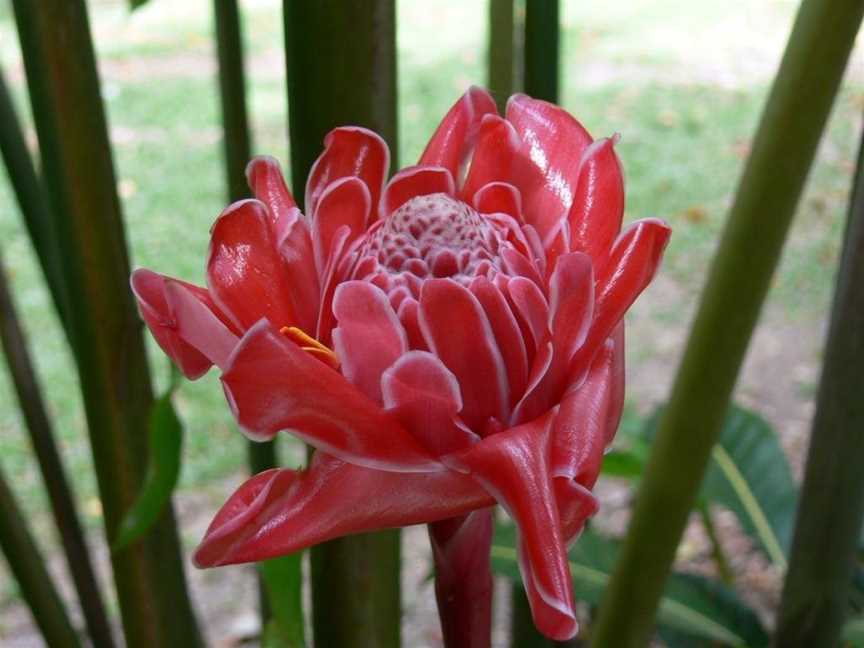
(571, 302)
(632, 263)
(266, 181)
(369, 337)
(598, 205)
(458, 331)
(513, 465)
(349, 151)
(412, 182)
(454, 137)
(552, 146)
(344, 203)
(424, 396)
(499, 198)
(283, 511)
(492, 161)
(272, 385)
(294, 241)
(245, 272)
(159, 313)
(463, 577)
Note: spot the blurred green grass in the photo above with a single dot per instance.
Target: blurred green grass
(685, 114)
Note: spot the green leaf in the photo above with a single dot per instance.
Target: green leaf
(692, 606)
(163, 471)
(750, 475)
(625, 464)
(853, 632)
(136, 4)
(283, 580)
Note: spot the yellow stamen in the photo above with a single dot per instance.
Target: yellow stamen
(311, 345)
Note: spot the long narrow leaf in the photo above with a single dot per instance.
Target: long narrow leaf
(783, 150)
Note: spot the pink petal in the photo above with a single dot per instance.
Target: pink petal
(409, 316)
(575, 505)
(272, 385)
(349, 151)
(632, 263)
(598, 205)
(455, 136)
(369, 337)
(463, 578)
(334, 273)
(295, 245)
(282, 511)
(571, 302)
(412, 182)
(507, 333)
(424, 396)
(245, 271)
(616, 383)
(345, 203)
(159, 315)
(265, 179)
(458, 331)
(552, 146)
(497, 145)
(530, 307)
(499, 198)
(580, 431)
(513, 466)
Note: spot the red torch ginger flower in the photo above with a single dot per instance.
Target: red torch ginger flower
(447, 340)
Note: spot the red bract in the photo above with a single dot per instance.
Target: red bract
(449, 340)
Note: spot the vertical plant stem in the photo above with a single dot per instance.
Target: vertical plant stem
(501, 51)
(828, 524)
(782, 153)
(106, 331)
(342, 70)
(542, 48)
(237, 146)
(53, 474)
(32, 200)
(717, 553)
(28, 567)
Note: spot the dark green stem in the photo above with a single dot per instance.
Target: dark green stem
(542, 49)
(53, 474)
(831, 511)
(237, 147)
(501, 51)
(342, 70)
(32, 201)
(767, 196)
(105, 329)
(28, 567)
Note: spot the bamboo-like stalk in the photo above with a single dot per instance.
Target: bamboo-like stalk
(106, 331)
(831, 511)
(770, 187)
(60, 495)
(237, 149)
(342, 70)
(542, 49)
(32, 200)
(501, 51)
(28, 567)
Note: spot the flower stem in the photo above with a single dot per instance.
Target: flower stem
(105, 328)
(782, 153)
(501, 51)
(542, 49)
(341, 61)
(831, 510)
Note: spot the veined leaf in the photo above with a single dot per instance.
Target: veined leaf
(163, 471)
(283, 580)
(692, 605)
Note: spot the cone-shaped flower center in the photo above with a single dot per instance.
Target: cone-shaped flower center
(435, 236)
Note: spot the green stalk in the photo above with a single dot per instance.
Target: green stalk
(106, 331)
(501, 51)
(60, 496)
(237, 141)
(717, 553)
(28, 567)
(831, 512)
(782, 153)
(32, 200)
(541, 49)
(342, 70)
